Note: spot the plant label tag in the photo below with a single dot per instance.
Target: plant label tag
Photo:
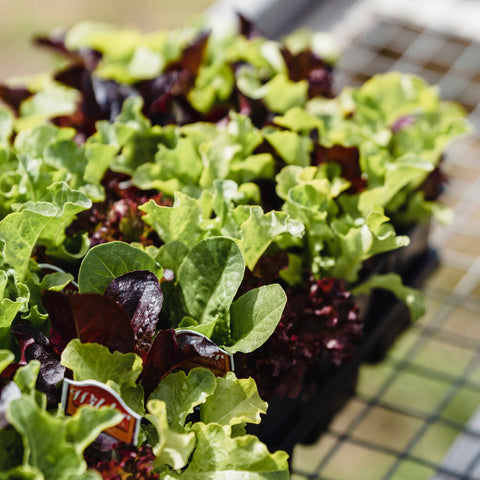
(96, 394)
(209, 354)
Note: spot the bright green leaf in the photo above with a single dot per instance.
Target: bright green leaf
(182, 393)
(254, 317)
(107, 261)
(234, 402)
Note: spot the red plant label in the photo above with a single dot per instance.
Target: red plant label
(96, 394)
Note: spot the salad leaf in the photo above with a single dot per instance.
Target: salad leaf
(209, 277)
(53, 445)
(6, 358)
(169, 352)
(236, 401)
(91, 317)
(292, 148)
(105, 262)
(392, 282)
(120, 371)
(173, 448)
(39, 221)
(42, 360)
(140, 295)
(181, 222)
(218, 456)
(254, 316)
(182, 393)
(6, 125)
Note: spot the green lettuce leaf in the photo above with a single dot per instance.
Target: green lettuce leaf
(54, 445)
(293, 148)
(6, 125)
(209, 277)
(120, 371)
(393, 283)
(173, 448)
(254, 317)
(6, 358)
(217, 456)
(180, 222)
(107, 261)
(42, 221)
(60, 204)
(234, 402)
(182, 393)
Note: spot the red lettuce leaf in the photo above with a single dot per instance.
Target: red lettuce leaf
(164, 355)
(14, 96)
(91, 317)
(320, 321)
(184, 351)
(140, 295)
(35, 345)
(349, 160)
(306, 65)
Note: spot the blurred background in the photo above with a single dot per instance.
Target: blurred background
(413, 416)
(22, 20)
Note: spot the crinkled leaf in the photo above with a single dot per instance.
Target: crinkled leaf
(213, 84)
(293, 148)
(105, 262)
(182, 393)
(180, 222)
(173, 168)
(234, 402)
(20, 232)
(408, 170)
(173, 448)
(48, 442)
(50, 101)
(10, 307)
(92, 361)
(260, 229)
(67, 203)
(217, 456)
(43, 220)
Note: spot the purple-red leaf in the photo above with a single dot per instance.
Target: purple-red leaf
(306, 65)
(164, 355)
(34, 345)
(91, 317)
(140, 295)
(14, 96)
(185, 350)
(62, 324)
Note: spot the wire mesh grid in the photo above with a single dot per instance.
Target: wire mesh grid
(413, 415)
